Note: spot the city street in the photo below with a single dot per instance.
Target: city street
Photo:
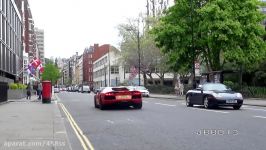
(163, 124)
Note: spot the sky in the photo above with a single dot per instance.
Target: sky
(72, 25)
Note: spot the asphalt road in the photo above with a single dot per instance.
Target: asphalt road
(165, 125)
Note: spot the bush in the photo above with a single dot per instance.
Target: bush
(21, 86)
(252, 91)
(13, 86)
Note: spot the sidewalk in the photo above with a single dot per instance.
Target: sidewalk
(31, 125)
(247, 101)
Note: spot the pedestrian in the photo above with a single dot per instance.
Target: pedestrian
(28, 91)
(39, 89)
(177, 88)
(181, 89)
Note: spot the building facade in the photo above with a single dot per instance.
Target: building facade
(106, 64)
(11, 55)
(88, 66)
(40, 44)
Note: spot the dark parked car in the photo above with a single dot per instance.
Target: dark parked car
(214, 94)
(117, 95)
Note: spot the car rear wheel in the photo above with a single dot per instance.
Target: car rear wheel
(101, 106)
(206, 103)
(236, 107)
(188, 103)
(137, 106)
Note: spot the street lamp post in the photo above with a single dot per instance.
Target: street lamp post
(138, 42)
(138, 36)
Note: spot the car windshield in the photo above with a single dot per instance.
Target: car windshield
(141, 88)
(214, 87)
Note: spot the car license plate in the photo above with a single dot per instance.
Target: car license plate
(231, 101)
(123, 97)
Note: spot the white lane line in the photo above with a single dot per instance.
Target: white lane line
(109, 121)
(165, 104)
(145, 102)
(183, 103)
(256, 109)
(130, 120)
(217, 111)
(263, 117)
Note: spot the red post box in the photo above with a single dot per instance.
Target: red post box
(46, 91)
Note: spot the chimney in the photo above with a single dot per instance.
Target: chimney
(96, 46)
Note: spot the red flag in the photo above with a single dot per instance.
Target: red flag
(41, 68)
(35, 62)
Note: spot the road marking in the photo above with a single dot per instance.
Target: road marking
(165, 104)
(112, 122)
(217, 111)
(256, 109)
(85, 143)
(260, 117)
(145, 102)
(130, 120)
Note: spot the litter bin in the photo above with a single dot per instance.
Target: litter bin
(3, 91)
(46, 91)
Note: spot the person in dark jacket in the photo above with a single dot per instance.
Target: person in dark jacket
(28, 91)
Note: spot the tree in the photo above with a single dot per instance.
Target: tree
(223, 31)
(51, 73)
(151, 56)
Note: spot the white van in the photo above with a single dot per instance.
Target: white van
(85, 88)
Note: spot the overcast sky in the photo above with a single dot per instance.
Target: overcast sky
(71, 25)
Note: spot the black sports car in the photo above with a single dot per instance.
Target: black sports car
(214, 94)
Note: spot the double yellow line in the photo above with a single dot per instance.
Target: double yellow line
(85, 143)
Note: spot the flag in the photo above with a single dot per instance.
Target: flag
(40, 68)
(30, 69)
(35, 62)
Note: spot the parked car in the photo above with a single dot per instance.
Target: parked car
(214, 94)
(98, 90)
(117, 95)
(56, 89)
(145, 92)
(84, 88)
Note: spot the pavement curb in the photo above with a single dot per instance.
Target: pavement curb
(255, 105)
(59, 128)
(5, 102)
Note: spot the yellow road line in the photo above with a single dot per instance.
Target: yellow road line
(85, 142)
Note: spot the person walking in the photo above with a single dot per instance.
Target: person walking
(181, 89)
(177, 88)
(39, 89)
(28, 91)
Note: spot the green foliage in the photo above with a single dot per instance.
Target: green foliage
(251, 91)
(223, 31)
(15, 86)
(51, 73)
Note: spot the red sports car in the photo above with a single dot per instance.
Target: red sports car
(117, 95)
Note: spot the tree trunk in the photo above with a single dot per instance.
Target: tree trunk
(174, 79)
(145, 78)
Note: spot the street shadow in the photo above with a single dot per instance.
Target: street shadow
(229, 108)
(119, 108)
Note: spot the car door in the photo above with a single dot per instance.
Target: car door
(198, 96)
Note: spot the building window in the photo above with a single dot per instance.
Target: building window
(114, 69)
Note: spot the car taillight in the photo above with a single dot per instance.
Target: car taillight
(136, 94)
(109, 96)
